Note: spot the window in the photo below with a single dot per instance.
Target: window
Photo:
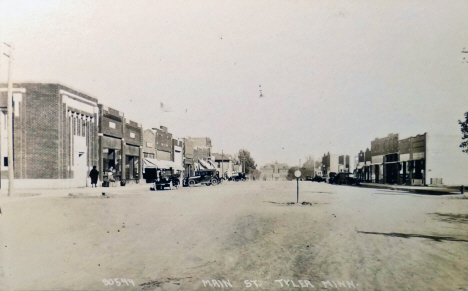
(149, 144)
(5, 161)
(78, 126)
(132, 135)
(112, 124)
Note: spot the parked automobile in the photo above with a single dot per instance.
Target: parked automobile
(238, 177)
(167, 179)
(331, 177)
(318, 179)
(345, 178)
(352, 180)
(205, 177)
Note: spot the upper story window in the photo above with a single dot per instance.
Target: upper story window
(132, 134)
(112, 124)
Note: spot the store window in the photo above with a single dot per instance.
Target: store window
(131, 167)
(111, 161)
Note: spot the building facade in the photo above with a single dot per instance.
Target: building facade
(223, 163)
(330, 164)
(163, 144)
(178, 151)
(274, 172)
(189, 158)
(54, 136)
(149, 146)
(120, 145)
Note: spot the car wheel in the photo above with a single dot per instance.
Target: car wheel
(191, 183)
(214, 182)
(243, 180)
(208, 184)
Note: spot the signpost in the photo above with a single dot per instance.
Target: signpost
(297, 174)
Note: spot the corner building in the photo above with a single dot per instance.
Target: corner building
(54, 136)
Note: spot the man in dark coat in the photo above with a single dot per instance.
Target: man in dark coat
(94, 174)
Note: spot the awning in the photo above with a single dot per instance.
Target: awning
(206, 164)
(174, 165)
(160, 164)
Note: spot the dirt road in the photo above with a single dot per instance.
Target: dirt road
(205, 238)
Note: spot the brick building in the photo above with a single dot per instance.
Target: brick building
(343, 163)
(274, 172)
(189, 161)
(163, 144)
(178, 151)
(224, 164)
(120, 145)
(203, 148)
(330, 164)
(149, 144)
(54, 136)
(385, 155)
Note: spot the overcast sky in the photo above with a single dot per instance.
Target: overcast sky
(334, 74)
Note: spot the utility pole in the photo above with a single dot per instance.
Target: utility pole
(10, 121)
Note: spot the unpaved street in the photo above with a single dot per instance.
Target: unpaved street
(178, 240)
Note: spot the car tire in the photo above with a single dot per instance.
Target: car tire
(243, 180)
(191, 183)
(208, 184)
(214, 182)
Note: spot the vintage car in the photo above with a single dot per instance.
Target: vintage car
(345, 178)
(167, 179)
(238, 177)
(206, 177)
(318, 179)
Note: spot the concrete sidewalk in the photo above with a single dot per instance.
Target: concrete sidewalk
(416, 189)
(85, 191)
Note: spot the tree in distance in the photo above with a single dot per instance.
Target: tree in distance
(464, 130)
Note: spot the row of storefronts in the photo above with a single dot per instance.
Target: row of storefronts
(424, 159)
(59, 134)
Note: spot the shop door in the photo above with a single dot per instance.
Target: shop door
(80, 167)
(377, 173)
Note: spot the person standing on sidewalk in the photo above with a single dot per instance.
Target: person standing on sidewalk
(94, 174)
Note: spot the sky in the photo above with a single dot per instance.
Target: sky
(334, 75)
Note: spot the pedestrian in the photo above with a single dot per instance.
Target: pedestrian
(94, 174)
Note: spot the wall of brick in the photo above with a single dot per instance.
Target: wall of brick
(149, 139)
(42, 143)
(133, 133)
(36, 136)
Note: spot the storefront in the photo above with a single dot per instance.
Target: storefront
(111, 156)
(132, 162)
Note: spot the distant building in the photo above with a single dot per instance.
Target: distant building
(343, 163)
(274, 172)
(330, 164)
(224, 164)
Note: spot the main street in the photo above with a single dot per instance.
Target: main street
(204, 238)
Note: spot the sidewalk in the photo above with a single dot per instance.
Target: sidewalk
(415, 189)
(85, 191)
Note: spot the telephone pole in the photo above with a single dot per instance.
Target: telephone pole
(10, 121)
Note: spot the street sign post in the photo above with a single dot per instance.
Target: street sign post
(297, 174)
